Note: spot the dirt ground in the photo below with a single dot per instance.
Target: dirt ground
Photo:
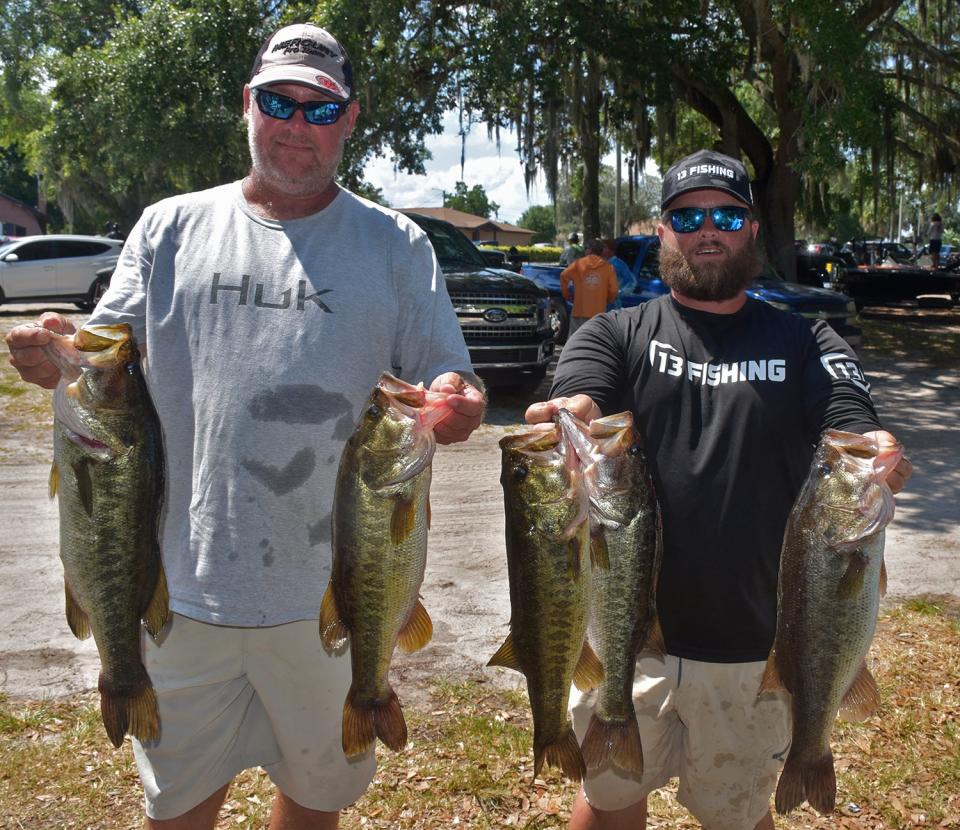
(465, 589)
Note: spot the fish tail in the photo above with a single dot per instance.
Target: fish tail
(816, 781)
(131, 710)
(616, 741)
(365, 721)
(563, 753)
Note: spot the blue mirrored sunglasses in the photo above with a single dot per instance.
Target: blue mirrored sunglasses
(689, 219)
(314, 112)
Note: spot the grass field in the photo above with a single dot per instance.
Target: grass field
(469, 760)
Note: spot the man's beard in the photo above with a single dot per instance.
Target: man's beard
(709, 281)
(307, 184)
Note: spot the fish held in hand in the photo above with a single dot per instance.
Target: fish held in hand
(625, 532)
(549, 568)
(108, 476)
(381, 515)
(831, 579)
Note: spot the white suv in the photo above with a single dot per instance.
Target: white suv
(57, 267)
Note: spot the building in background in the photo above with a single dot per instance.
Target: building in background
(19, 219)
(477, 228)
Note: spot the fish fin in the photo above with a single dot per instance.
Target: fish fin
(655, 641)
(616, 741)
(158, 609)
(573, 558)
(54, 481)
(77, 618)
(883, 578)
(599, 553)
(816, 781)
(862, 699)
(563, 753)
(851, 583)
(506, 656)
(81, 469)
(359, 730)
(403, 518)
(134, 711)
(589, 671)
(417, 631)
(771, 680)
(364, 722)
(333, 631)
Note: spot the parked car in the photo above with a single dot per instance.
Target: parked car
(57, 267)
(503, 316)
(642, 255)
(879, 272)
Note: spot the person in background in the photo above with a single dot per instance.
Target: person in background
(625, 278)
(935, 235)
(729, 450)
(515, 258)
(263, 344)
(573, 251)
(594, 284)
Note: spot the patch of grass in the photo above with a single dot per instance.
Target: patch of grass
(470, 759)
(924, 339)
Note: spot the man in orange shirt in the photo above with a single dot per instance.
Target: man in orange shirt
(594, 284)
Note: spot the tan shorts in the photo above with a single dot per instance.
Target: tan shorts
(235, 698)
(703, 723)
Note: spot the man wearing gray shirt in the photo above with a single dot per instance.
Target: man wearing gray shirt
(262, 343)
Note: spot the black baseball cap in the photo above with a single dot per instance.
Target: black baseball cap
(704, 170)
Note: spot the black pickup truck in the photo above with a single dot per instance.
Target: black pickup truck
(504, 317)
(877, 272)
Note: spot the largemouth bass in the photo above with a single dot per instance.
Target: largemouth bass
(549, 569)
(831, 579)
(381, 515)
(108, 475)
(625, 531)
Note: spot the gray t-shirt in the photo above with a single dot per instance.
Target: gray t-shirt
(263, 340)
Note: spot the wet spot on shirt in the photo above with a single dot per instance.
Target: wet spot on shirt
(299, 403)
(268, 557)
(330, 459)
(344, 427)
(233, 556)
(319, 532)
(722, 758)
(282, 480)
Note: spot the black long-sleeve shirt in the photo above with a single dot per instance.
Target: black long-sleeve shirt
(730, 408)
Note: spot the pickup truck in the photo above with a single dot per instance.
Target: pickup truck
(504, 317)
(885, 273)
(642, 255)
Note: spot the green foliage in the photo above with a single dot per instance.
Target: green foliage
(539, 218)
(473, 201)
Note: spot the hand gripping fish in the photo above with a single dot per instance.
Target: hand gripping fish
(381, 514)
(108, 475)
(831, 579)
(625, 527)
(550, 571)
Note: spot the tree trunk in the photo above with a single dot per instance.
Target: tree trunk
(590, 139)
(776, 201)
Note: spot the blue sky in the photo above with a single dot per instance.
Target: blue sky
(497, 169)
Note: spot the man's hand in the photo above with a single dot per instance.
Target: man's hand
(900, 474)
(468, 404)
(580, 405)
(26, 344)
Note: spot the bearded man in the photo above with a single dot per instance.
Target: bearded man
(730, 396)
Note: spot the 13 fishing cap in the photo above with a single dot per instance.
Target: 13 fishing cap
(304, 54)
(706, 169)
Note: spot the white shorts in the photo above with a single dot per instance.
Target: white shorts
(235, 698)
(701, 722)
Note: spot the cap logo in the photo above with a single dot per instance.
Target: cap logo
(306, 45)
(326, 83)
(706, 170)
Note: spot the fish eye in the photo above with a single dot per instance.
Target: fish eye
(520, 473)
(373, 410)
(634, 450)
(823, 470)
